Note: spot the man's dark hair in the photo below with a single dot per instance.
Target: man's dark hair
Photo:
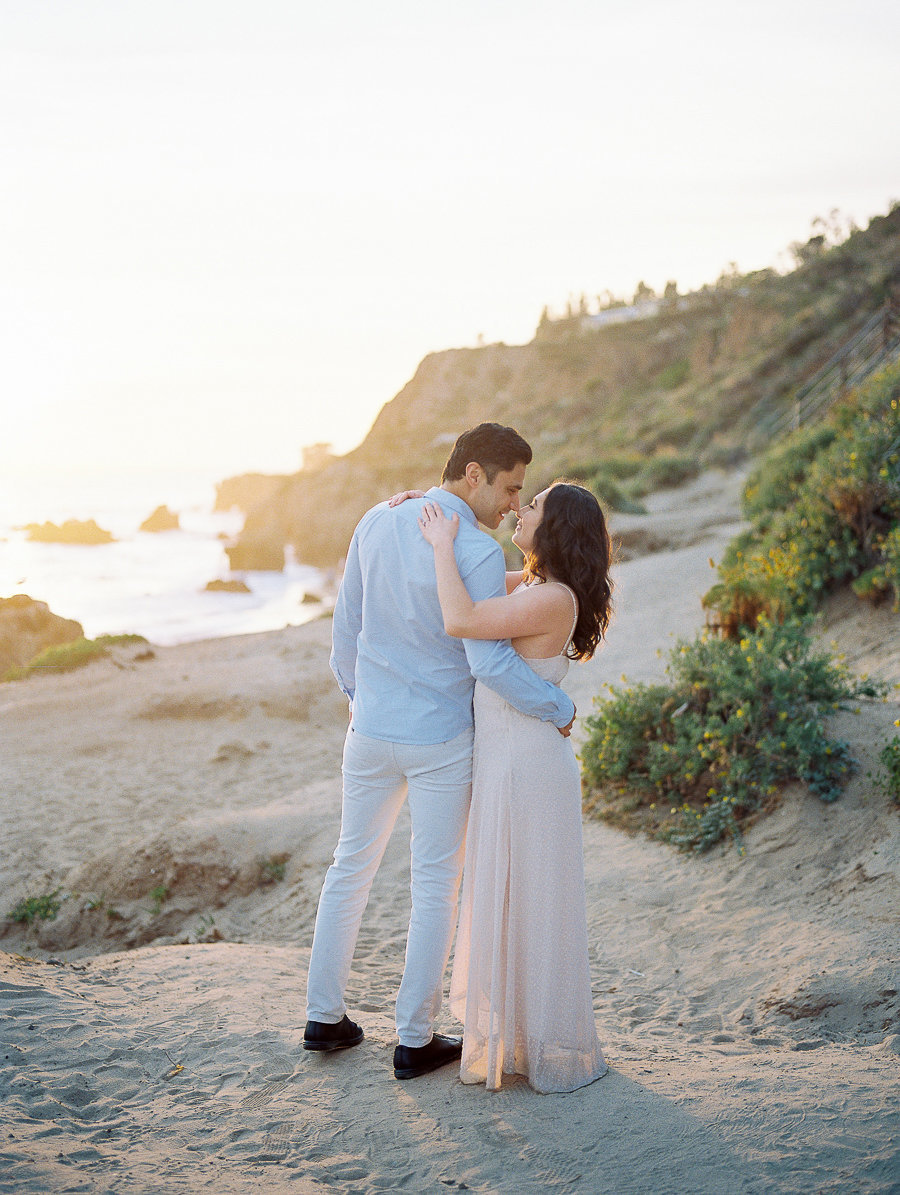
(495, 447)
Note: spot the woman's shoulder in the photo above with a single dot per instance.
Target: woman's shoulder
(554, 594)
(565, 601)
(561, 585)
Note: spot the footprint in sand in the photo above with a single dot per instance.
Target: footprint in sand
(277, 1074)
(553, 1168)
(278, 1143)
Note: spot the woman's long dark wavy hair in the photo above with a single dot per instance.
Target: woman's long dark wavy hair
(571, 544)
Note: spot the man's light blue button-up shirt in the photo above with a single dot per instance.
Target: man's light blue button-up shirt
(407, 680)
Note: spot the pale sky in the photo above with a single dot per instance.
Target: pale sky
(231, 228)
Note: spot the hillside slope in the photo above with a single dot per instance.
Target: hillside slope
(626, 406)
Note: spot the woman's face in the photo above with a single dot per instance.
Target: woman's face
(529, 519)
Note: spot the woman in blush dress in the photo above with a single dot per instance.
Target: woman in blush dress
(521, 981)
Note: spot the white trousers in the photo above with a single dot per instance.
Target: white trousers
(377, 778)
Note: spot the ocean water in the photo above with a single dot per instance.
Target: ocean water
(151, 584)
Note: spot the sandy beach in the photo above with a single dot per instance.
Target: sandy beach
(183, 803)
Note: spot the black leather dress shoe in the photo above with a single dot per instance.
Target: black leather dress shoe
(411, 1061)
(320, 1036)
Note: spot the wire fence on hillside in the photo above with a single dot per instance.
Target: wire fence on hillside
(876, 343)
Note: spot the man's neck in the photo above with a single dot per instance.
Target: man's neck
(460, 489)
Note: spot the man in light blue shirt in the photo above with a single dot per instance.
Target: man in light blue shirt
(410, 687)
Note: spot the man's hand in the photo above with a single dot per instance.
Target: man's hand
(565, 731)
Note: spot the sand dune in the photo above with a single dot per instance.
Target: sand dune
(186, 806)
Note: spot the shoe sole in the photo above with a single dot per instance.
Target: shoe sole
(415, 1071)
(328, 1046)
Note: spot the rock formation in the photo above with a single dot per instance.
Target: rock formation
(162, 519)
(260, 549)
(72, 531)
(27, 627)
(220, 586)
(247, 490)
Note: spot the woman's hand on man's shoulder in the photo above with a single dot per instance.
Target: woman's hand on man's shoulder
(397, 499)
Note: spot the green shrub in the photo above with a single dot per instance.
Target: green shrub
(620, 481)
(890, 761)
(674, 375)
(613, 495)
(620, 466)
(32, 908)
(272, 869)
(63, 657)
(664, 472)
(891, 567)
(683, 434)
(872, 585)
(774, 484)
(826, 510)
(695, 758)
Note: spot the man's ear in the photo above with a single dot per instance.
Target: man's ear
(474, 474)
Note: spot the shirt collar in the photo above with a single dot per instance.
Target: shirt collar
(445, 498)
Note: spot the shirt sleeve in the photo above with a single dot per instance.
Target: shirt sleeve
(347, 622)
(497, 664)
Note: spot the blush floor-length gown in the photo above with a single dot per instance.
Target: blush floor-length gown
(521, 982)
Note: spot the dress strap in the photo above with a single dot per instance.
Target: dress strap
(571, 591)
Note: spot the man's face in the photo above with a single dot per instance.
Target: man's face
(491, 502)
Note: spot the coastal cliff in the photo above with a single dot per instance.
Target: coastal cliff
(630, 400)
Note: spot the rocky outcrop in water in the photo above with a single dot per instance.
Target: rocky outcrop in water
(260, 547)
(72, 531)
(220, 586)
(261, 544)
(162, 519)
(27, 627)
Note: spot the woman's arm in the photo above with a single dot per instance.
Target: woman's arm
(495, 618)
(513, 580)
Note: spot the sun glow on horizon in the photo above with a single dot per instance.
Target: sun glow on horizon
(233, 235)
